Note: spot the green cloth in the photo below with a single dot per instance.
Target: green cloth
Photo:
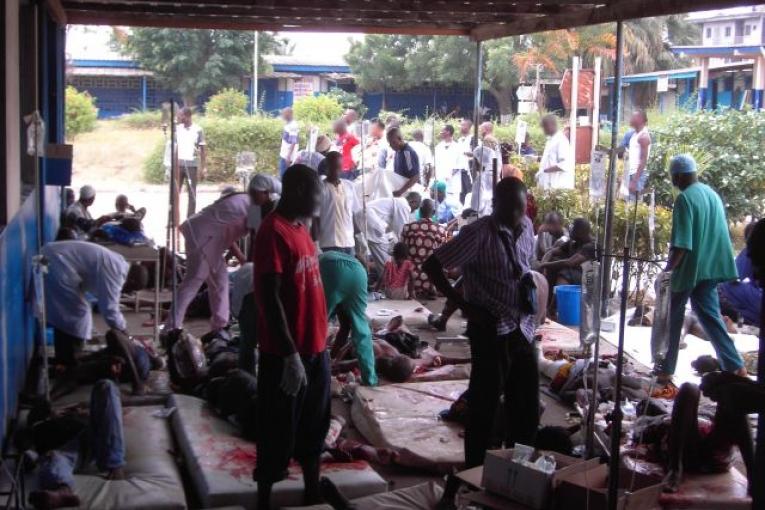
(699, 226)
(345, 287)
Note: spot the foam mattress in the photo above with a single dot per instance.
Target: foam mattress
(415, 314)
(405, 417)
(424, 496)
(153, 478)
(220, 462)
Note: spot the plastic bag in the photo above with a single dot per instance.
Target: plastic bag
(35, 134)
(660, 329)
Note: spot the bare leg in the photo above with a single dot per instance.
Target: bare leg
(57, 498)
(264, 495)
(312, 494)
(683, 434)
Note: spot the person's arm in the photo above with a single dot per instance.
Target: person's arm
(675, 258)
(108, 292)
(435, 271)
(562, 153)
(682, 236)
(273, 307)
(236, 252)
(408, 184)
(410, 285)
(575, 260)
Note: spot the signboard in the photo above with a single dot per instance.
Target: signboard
(662, 84)
(302, 88)
(598, 175)
(585, 89)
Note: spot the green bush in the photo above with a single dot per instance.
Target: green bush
(81, 112)
(149, 119)
(226, 104)
(348, 100)
(729, 146)
(153, 167)
(321, 108)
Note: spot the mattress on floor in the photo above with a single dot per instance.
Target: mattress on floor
(415, 314)
(405, 417)
(157, 391)
(153, 478)
(557, 337)
(424, 496)
(220, 462)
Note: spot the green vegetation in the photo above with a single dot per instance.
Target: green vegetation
(80, 112)
(226, 104)
(317, 109)
(149, 119)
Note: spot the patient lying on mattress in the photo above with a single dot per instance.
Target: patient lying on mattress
(73, 439)
(234, 397)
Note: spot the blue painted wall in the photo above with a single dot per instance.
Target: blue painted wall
(18, 244)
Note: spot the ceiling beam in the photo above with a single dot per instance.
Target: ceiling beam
(56, 11)
(230, 23)
(615, 11)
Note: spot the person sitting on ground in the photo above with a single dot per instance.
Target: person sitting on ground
(397, 281)
(123, 209)
(75, 268)
(78, 217)
(62, 440)
(548, 234)
(445, 211)
(563, 265)
(422, 237)
(742, 297)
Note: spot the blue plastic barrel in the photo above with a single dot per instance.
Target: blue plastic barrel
(568, 298)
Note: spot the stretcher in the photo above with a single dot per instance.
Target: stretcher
(220, 462)
(405, 417)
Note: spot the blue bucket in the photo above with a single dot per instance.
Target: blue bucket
(568, 298)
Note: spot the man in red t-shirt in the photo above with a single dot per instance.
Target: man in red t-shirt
(346, 141)
(293, 369)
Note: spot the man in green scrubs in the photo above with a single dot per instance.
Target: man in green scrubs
(700, 257)
(345, 287)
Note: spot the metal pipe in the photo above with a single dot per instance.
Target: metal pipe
(173, 210)
(616, 112)
(477, 93)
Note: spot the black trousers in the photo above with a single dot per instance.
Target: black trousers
(66, 347)
(502, 365)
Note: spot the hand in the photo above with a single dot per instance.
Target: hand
(293, 375)
(478, 314)
(397, 193)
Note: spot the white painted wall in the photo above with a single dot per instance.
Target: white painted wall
(12, 113)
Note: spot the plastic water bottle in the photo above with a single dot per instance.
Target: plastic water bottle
(545, 464)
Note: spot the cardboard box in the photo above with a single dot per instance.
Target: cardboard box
(523, 484)
(588, 488)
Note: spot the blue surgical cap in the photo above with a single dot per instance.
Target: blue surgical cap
(682, 164)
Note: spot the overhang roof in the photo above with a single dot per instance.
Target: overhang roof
(478, 19)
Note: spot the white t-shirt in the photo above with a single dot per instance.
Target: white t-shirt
(424, 156)
(309, 158)
(448, 166)
(289, 140)
(633, 158)
(557, 153)
(337, 206)
(188, 140)
(387, 215)
(465, 143)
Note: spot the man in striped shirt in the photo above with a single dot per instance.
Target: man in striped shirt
(494, 254)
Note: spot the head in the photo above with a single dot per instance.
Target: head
(350, 116)
(334, 165)
(400, 251)
(261, 188)
(66, 234)
(554, 222)
(638, 120)
(683, 170)
(465, 126)
(286, 114)
(549, 124)
(392, 121)
(397, 369)
(300, 192)
(485, 129)
(227, 190)
(323, 144)
(137, 278)
(376, 128)
(581, 230)
(87, 195)
(414, 200)
(340, 127)
(440, 188)
(427, 208)
(417, 135)
(185, 116)
(755, 245)
(447, 133)
(509, 202)
(68, 196)
(395, 139)
(121, 203)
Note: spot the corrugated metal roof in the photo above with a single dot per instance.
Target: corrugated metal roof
(107, 71)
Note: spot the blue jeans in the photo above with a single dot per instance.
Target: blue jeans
(706, 304)
(283, 165)
(104, 435)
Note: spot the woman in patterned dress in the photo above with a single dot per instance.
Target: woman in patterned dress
(421, 238)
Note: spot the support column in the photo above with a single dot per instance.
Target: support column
(477, 93)
(758, 83)
(596, 105)
(703, 83)
(143, 93)
(574, 107)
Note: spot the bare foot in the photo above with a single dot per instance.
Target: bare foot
(741, 372)
(59, 498)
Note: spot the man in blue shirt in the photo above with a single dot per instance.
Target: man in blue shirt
(406, 165)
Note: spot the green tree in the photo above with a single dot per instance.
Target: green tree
(196, 62)
(81, 112)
